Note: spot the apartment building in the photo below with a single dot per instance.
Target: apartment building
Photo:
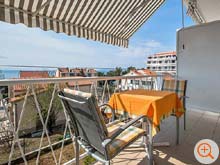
(164, 62)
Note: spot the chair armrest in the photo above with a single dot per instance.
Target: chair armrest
(112, 110)
(121, 129)
(183, 97)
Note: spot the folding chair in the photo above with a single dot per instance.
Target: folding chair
(101, 141)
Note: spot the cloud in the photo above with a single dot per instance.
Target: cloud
(3, 57)
(143, 48)
(32, 46)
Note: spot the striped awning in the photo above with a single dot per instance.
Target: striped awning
(109, 21)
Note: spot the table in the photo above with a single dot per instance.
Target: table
(156, 105)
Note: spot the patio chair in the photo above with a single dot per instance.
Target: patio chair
(179, 87)
(101, 141)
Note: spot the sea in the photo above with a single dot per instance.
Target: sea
(14, 73)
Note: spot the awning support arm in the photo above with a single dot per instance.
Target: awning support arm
(41, 7)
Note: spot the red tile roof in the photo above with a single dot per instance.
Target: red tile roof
(92, 71)
(149, 72)
(75, 70)
(34, 74)
(63, 70)
(136, 72)
(167, 76)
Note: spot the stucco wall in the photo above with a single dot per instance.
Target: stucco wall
(199, 63)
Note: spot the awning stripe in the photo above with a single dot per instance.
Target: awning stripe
(110, 21)
(122, 19)
(102, 14)
(137, 24)
(137, 15)
(139, 18)
(116, 15)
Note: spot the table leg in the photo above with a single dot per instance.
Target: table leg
(177, 130)
(150, 143)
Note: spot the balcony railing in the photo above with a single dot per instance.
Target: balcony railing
(34, 124)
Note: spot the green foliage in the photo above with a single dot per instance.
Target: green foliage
(44, 99)
(118, 71)
(100, 74)
(130, 68)
(88, 160)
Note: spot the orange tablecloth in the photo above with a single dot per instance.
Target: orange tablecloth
(154, 104)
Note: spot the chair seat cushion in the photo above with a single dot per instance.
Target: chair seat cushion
(124, 139)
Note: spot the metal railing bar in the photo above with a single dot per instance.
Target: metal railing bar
(65, 79)
(42, 121)
(48, 114)
(16, 138)
(74, 159)
(67, 119)
(64, 136)
(107, 86)
(103, 93)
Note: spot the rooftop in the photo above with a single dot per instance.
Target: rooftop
(34, 74)
(164, 54)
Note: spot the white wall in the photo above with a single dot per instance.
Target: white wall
(199, 63)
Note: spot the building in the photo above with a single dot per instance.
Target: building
(91, 73)
(73, 72)
(146, 83)
(20, 89)
(164, 62)
(62, 72)
(33, 74)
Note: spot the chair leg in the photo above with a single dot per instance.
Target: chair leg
(177, 130)
(184, 119)
(107, 163)
(77, 151)
(149, 142)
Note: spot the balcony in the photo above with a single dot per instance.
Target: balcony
(34, 125)
(34, 128)
(35, 140)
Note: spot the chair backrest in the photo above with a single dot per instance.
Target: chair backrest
(177, 86)
(85, 117)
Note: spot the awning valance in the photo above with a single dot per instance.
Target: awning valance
(109, 21)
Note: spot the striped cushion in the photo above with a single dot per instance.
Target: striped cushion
(112, 127)
(127, 136)
(177, 86)
(93, 100)
(121, 115)
(78, 93)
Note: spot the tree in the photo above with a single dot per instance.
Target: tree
(44, 99)
(100, 74)
(130, 68)
(118, 71)
(111, 73)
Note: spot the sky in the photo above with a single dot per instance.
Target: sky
(20, 45)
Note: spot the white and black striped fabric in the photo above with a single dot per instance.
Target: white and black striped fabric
(109, 21)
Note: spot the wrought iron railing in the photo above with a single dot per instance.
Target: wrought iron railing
(34, 124)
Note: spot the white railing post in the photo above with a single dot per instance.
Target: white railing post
(15, 131)
(42, 121)
(48, 114)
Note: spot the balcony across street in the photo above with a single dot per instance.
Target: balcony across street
(165, 114)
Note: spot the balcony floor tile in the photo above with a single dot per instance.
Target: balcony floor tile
(200, 125)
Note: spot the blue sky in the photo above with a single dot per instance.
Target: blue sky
(31, 46)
